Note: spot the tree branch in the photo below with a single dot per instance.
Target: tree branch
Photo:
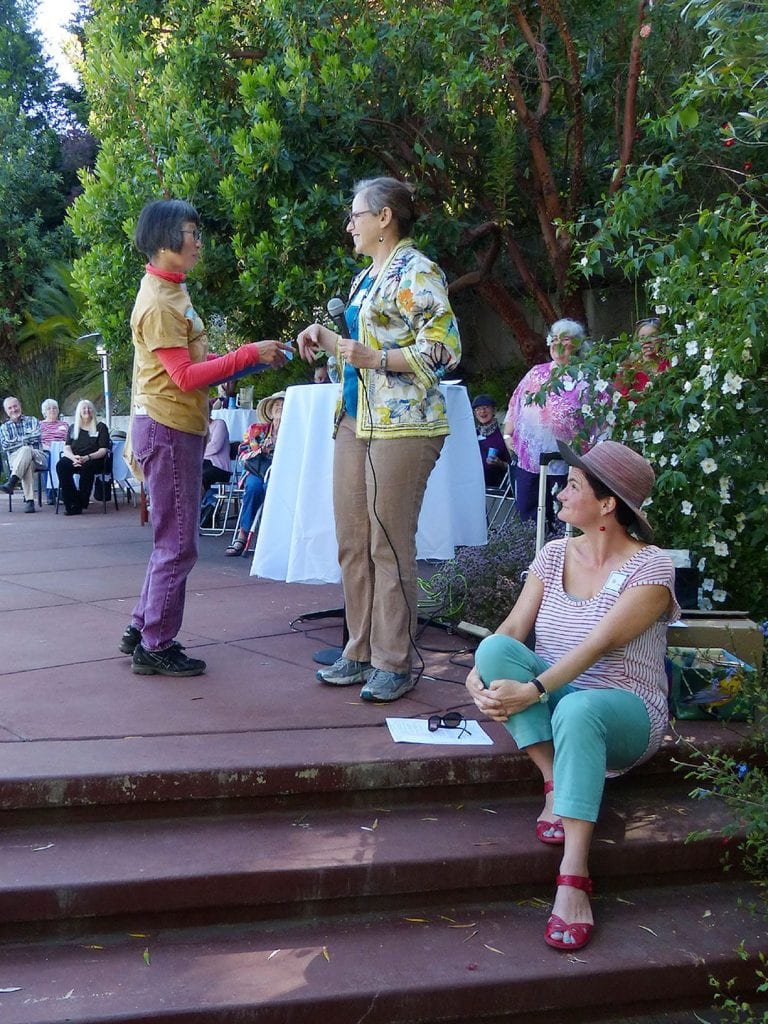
(630, 102)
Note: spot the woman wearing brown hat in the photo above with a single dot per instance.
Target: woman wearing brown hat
(592, 698)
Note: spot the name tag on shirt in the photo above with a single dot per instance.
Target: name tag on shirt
(615, 582)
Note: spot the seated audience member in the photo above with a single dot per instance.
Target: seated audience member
(20, 440)
(592, 699)
(532, 430)
(645, 361)
(256, 454)
(51, 429)
(87, 444)
(216, 466)
(493, 450)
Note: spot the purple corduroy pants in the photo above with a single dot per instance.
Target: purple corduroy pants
(172, 463)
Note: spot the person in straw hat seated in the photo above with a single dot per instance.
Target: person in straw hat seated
(592, 698)
(256, 453)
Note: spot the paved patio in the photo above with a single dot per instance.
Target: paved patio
(70, 705)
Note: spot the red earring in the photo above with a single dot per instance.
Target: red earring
(602, 529)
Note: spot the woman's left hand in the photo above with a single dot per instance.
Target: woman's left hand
(358, 355)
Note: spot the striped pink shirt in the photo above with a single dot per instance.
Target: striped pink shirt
(53, 430)
(638, 666)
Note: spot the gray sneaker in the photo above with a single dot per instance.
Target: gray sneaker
(344, 672)
(386, 686)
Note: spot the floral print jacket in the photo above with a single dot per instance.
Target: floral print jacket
(407, 307)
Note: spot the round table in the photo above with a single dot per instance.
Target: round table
(297, 540)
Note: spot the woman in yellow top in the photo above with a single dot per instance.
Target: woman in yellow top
(172, 373)
(391, 424)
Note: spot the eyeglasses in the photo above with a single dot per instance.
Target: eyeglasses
(450, 720)
(196, 233)
(352, 215)
(649, 321)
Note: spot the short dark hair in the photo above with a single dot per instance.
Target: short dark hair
(159, 225)
(394, 194)
(624, 515)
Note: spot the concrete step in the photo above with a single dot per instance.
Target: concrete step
(290, 862)
(460, 962)
(283, 762)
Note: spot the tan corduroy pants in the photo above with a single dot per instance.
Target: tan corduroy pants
(378, 488)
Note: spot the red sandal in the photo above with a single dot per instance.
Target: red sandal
(556, 826)
(580, 931)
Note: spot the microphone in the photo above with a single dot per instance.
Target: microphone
(335, 309)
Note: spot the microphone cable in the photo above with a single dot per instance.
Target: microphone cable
(412, 640)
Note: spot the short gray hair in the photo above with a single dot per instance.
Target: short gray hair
(47, 404)
(572, 328)
(389, 192)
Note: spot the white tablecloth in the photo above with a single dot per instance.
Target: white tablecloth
(120, 468)
(237, 420)
(296, 540)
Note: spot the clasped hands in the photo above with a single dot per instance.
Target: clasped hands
(502, 699)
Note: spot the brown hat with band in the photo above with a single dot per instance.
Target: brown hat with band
(623, 471)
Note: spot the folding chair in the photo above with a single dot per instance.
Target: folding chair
(40, 471)
(108, 485)
(228, 496)
(500, 502)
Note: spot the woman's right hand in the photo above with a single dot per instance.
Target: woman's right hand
(270, 352)
(314, 338)
(474, 685)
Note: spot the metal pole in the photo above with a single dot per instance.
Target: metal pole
(103, 354)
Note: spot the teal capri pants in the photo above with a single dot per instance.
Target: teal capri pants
(593, 730)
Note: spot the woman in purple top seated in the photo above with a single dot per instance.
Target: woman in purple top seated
(493, 451)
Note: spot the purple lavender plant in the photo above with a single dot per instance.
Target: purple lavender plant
(481, 584)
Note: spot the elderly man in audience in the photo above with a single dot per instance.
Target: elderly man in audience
(20, 440)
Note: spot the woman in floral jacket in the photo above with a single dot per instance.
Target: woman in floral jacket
(390, 427)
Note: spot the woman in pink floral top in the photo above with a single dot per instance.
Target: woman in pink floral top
(532, 430)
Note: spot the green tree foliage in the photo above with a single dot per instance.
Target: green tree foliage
(51, 363)
(28, 237)
(702, 420)
(508, 116)
(31, 199)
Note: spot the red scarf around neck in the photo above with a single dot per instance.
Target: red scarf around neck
(167, 275)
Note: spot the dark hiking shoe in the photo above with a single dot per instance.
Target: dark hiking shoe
(170, 662)
(130, 640)
(29, 506)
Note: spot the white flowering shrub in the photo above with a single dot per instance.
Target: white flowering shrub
(702, 420)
